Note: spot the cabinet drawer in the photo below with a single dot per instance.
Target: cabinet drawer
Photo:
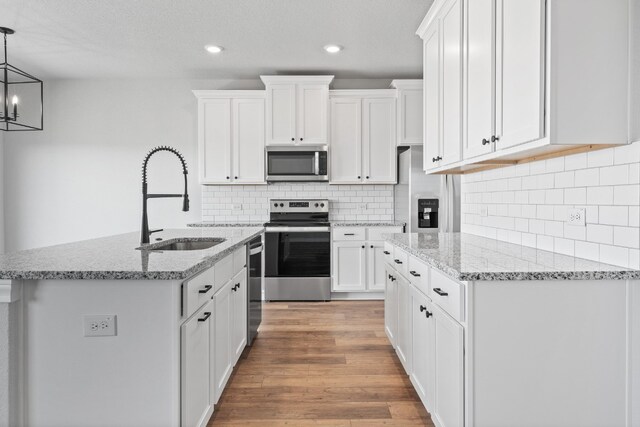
(224, 271)
(401, 261)
(419, 274)
(349, 233)
(239, 259)
(197, 291)
(376, 233)
(388, 253)
(447, 293)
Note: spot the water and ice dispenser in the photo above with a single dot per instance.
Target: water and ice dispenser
(427, 213)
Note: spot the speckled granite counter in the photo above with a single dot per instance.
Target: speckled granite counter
(467, 257)
(226, 224)
(367, 223)
(116, 257)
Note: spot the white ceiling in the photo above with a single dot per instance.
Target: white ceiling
(166, 38)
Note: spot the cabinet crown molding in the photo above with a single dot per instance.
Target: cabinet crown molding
(209, 94)
(407, 84)
(363, 93)
(429, 17)
(297, 79)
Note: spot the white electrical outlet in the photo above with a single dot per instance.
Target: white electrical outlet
(577, 217)
(236, 207)
(100, 325)
(362, 207)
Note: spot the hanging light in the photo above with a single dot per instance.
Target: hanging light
(21, 96)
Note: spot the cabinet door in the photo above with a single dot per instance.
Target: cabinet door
(375, 266)
(221, 334)
(346, 140)
(195, 334)
(431, 78)
(520, 72)
(423, 347)
(391, 305)
(349, 266)
(248, 141)
(312, 107)
(239, 315)
(451, 82)
(281, 114)
(379, 140)
(479, 76)
(214, 141)
(449, 369)
(410, 116)
(403, 343)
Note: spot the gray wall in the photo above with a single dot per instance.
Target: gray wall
(635, 70)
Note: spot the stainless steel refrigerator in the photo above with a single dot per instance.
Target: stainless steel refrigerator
(426, 203)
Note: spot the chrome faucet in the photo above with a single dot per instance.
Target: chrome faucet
(145, 232)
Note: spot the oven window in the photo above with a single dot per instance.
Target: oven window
(305, 254)
(291, 163)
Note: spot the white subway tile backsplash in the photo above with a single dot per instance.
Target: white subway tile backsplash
(530, 203)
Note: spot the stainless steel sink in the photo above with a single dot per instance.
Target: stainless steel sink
(186, 245)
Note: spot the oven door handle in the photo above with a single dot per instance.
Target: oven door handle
(255, 250)
(296, 229)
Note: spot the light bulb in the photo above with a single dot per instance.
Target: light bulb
(14, 100)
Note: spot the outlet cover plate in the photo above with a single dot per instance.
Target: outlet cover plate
(362, 207)
(577, 216)
(100, 325)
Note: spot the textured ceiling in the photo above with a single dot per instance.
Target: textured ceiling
(166, 38)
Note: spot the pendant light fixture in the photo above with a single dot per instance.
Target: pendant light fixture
(21, 96)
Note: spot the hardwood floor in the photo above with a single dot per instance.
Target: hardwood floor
(326, 364)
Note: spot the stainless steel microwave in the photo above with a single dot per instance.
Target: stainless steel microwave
(297, 163)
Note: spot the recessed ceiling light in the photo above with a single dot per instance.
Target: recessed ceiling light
(213, 48)
(333, 48)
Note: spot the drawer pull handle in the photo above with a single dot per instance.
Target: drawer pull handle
(414, 274)
(207, 314)
(485, 141)
(386, 252)
(440, 292)
(428, 314)
(349, 234)
(235, 288)
(422, 308)
(393, 279)
(205, 289)
(397, 261)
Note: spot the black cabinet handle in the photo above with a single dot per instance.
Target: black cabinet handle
(300, 139)
(485, 141)
(393, 279)
(362, 246)
(358, 176)
(422, 308)
(386, 252)
(205, 289)
(349, 234)
(235, 177)
(440, 292)
(397, 261)
(293, 139)
(413, 273)
(428, 314)
(235, 288)
(371, 246)
(439, 158)
(367, 177)
(433, 160)
(389, 276)
(207, 314)
(227, 177)
(495, 138)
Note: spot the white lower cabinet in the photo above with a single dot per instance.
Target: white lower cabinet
(391, 305)
(404, 337)
(375, 266)
(238, 315)
(449, 370)
(423, 349)
(349, 266)
(195, 369)
(221, 339)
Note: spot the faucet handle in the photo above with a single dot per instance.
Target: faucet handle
(155, 231)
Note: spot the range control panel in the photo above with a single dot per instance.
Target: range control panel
(288, 205)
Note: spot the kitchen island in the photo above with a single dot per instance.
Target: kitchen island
(497, 334)
(103, 332)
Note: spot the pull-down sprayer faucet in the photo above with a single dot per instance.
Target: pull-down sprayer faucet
(145, 232)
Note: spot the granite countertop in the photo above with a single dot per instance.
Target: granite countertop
(117, 257)
(467, 257)
(347, 223)
(226, 224)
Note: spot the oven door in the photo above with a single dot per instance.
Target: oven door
(297, 252)
(295, 164)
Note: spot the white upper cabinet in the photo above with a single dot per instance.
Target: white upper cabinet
(363, 137)
(297, 109)
(537, 80)
(443, 87)
(231, 137)
(410, 112)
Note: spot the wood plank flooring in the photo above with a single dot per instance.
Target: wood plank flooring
(327, 364)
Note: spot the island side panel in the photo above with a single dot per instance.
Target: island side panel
(549, 353)
(131, 379)
(633, 311)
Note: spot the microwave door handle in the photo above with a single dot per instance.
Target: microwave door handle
(317, 162)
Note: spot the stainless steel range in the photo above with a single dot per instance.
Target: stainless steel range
(298, 251)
